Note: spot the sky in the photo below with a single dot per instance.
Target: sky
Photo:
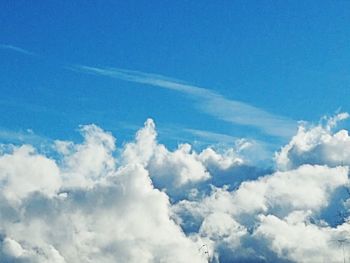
(220, 117)
(282, 58)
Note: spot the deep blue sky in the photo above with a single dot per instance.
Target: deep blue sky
(288, 58)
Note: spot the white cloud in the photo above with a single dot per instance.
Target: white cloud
(144, 146)
(306, 189)
(317, 145)
(176, 169)
(296, 239)
(24, 172)
(106, 214)
(180, 166)
(221, 227)
(87, 163)
(12, 248)
(92, 203)
(168, 168)
(214, 160)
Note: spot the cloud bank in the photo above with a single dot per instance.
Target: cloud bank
(142, 202)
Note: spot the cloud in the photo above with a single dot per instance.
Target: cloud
(176, 171)
(240, 227)
(142, 202)
(35, 173)
(296, 239)
(85, 164)
(184, 171)
(17, 49)
(12, 248)
(317, 145)
(81, 207)
(306, 188)
(206, 101)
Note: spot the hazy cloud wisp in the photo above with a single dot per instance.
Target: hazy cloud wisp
(206, 100)
(17, 49)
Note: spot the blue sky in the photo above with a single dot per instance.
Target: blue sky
(271, 63)
(204, 99)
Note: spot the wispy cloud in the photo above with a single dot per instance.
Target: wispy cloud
(211, 136)
(17, 49)
(206, 100)
(27, 136)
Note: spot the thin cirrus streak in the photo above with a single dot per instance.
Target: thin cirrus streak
(212, 136)
(206, 100)
(15, 137)
(17, 49)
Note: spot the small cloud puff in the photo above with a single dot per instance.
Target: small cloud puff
(317, 145)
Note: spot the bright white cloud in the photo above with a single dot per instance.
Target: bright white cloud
(85, 164)
(24, 172)
(307, 188)
(317, 145)
(214, 160)
(92, 203)
(296, 239)
(168, 168)
(106, 214)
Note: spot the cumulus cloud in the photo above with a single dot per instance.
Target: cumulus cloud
(24, 172)
(317, 145)
(89, 202)
(167, 168)
(82, 208)
(296, 239)
(85, 164)
(307, 189)
(12, 248)
(180, 170)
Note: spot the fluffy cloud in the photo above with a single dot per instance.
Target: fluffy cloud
(85, 164)
(168, 168)
(308, 188)
(82, 208)
(176, 171)
(239, 215)
(24, 172)
(317, 145)
(88, 202)
(296, 239)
